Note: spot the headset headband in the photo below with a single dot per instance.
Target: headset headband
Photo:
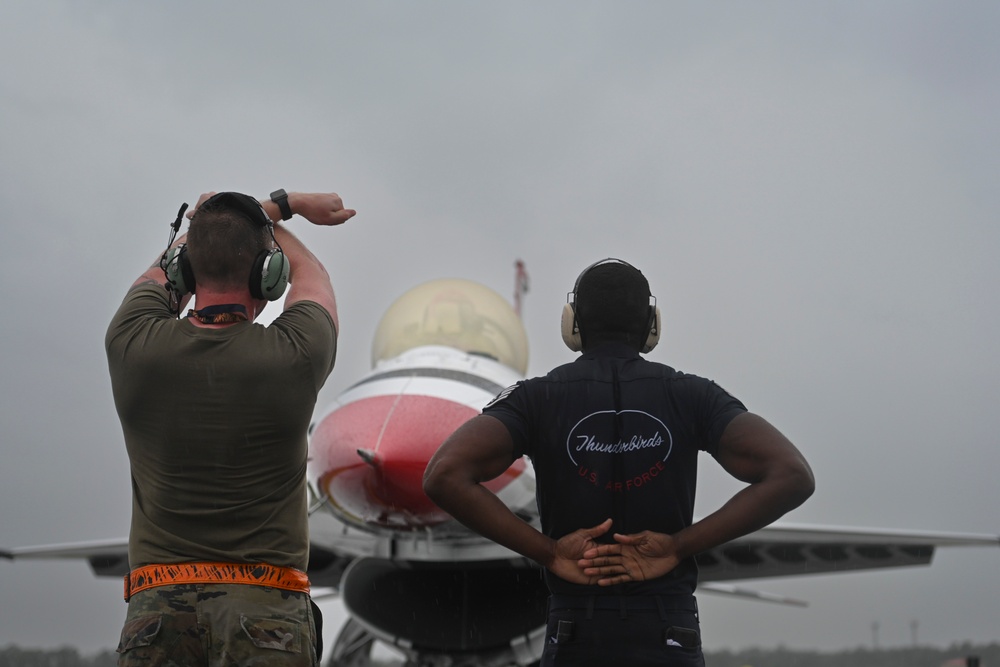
(609, 260)
(248, 206)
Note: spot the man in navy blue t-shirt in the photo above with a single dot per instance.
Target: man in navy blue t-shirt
(614, 440)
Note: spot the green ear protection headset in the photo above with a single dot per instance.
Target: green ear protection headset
(269, 275)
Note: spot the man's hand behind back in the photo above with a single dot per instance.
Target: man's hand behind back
(636, 557)
(570, 548)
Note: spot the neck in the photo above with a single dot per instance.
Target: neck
(228, 300)
(591, 342)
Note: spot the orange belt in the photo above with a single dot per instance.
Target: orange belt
(256, 574)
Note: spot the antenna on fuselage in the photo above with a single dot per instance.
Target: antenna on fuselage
(520, 285)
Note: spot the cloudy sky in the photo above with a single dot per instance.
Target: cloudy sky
(811, 189)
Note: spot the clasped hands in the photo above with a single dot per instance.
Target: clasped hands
(637, 557)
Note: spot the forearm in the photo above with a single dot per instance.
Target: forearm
(754, 507)
(477, 508)
(478, 451)
(272, 209)
(325, 209)
(152, 275)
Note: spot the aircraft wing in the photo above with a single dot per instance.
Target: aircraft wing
(780, 550)
(106, 557)
(783, 550)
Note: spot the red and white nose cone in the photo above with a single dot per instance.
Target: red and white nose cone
(373, 452)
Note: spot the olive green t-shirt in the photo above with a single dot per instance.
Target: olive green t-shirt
(215, 424)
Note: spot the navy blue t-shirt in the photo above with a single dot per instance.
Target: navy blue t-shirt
(614, 435)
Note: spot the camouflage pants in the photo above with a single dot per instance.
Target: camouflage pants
(218, 625)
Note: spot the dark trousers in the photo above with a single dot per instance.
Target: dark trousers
(635, 631)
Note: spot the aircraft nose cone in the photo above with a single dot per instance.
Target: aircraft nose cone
(371, 455)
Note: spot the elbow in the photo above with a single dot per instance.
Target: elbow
(430, 483)
(431, 490)
(802, 484)
(434, 483)
(791, 483)
(447, 486)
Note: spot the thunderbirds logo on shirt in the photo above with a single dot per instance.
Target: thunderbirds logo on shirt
(642, 442)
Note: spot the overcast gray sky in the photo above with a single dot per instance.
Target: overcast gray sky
(811, 189)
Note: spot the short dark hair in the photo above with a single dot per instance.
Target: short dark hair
(226, 234)
(612, 303)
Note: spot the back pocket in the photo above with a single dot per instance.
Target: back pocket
(139, 631)
(275, 634)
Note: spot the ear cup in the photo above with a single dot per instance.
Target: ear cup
(570, 331)
(177, 270)
(269, 275)
(653, 337)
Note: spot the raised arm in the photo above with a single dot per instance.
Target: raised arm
(751, 450)
(154, 275)
(481, 450)
(325, 209)
(308, 278)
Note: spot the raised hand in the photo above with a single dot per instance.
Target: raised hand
(201, 200)
(325, 209)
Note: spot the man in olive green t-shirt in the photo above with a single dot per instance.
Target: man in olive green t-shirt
(215, 411)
